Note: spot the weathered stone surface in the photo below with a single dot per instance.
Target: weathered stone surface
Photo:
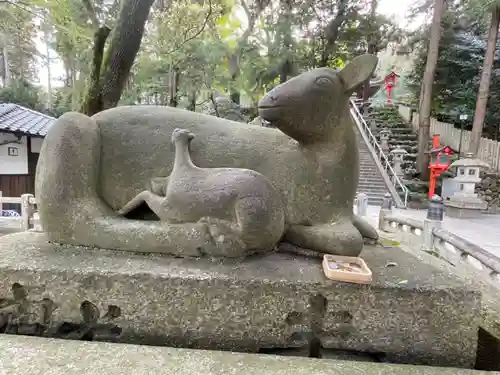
(411, 313)
(464, 210)
(488, 355)
(90, 167)
(37, 356)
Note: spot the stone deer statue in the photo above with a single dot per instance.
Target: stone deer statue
(90, 167)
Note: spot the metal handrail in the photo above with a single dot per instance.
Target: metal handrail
(396, 182)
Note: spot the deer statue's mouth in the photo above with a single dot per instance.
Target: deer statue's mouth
(271, 113)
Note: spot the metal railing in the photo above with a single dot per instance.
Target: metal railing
(392, 180)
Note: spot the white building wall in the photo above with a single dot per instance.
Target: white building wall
(13, 164)
(36, 145)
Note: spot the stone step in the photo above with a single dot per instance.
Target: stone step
(370, 187)
(370, 171)
(370, 180)
(24, 355)
(374, 201)
(371, 177)
(371, 174)
(372, 183)
(379, 195)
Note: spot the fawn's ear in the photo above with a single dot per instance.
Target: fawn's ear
(358, 71)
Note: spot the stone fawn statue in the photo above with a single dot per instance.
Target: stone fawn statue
(242, 210)
(91, 167)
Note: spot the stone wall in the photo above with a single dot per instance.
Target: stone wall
(489, 190)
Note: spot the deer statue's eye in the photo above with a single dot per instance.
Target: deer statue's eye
(323, 81)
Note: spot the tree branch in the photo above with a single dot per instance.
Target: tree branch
(21, 5)
(91, 13)
(252, 17)
(198, 33)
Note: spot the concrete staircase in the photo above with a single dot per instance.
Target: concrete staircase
(371, 181)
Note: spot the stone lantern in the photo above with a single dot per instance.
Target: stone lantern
(398, 155)
(384, 140)
(465, 203)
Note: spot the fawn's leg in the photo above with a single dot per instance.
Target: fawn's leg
(153, 201)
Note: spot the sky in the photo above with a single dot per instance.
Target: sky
(396, 8)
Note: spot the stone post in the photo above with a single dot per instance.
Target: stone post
(434, 220)
(384, 140)
(385, 211)
(362, 205)
(26, 211)
(1, 207)
(398, 155)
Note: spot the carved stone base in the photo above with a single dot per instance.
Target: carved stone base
(470, 209)
(411, 313)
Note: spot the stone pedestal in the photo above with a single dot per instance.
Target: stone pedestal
(411, 313)
(465, 207)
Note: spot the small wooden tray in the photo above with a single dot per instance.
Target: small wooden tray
(347, 269)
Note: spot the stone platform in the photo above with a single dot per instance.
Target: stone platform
(38, 356)
(411, 313)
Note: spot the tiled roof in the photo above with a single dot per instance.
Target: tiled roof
(17, 119)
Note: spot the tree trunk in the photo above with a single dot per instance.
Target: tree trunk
(484, 84)
(93, 100)
(285, 71)
(372, 47)
(234, 71)
(49, 75)
(174, 88)
(214, 103)
(192, 101)
(424, 114)
(234, 93)
(105, 92)
(286, 64)
(6, 63)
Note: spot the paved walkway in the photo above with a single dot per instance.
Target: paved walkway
(483, 231)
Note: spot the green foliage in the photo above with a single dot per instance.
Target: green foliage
(23, 93)
(458, 72)
(194, 50)
(18, 30)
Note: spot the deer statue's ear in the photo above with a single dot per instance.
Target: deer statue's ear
(358, 71)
